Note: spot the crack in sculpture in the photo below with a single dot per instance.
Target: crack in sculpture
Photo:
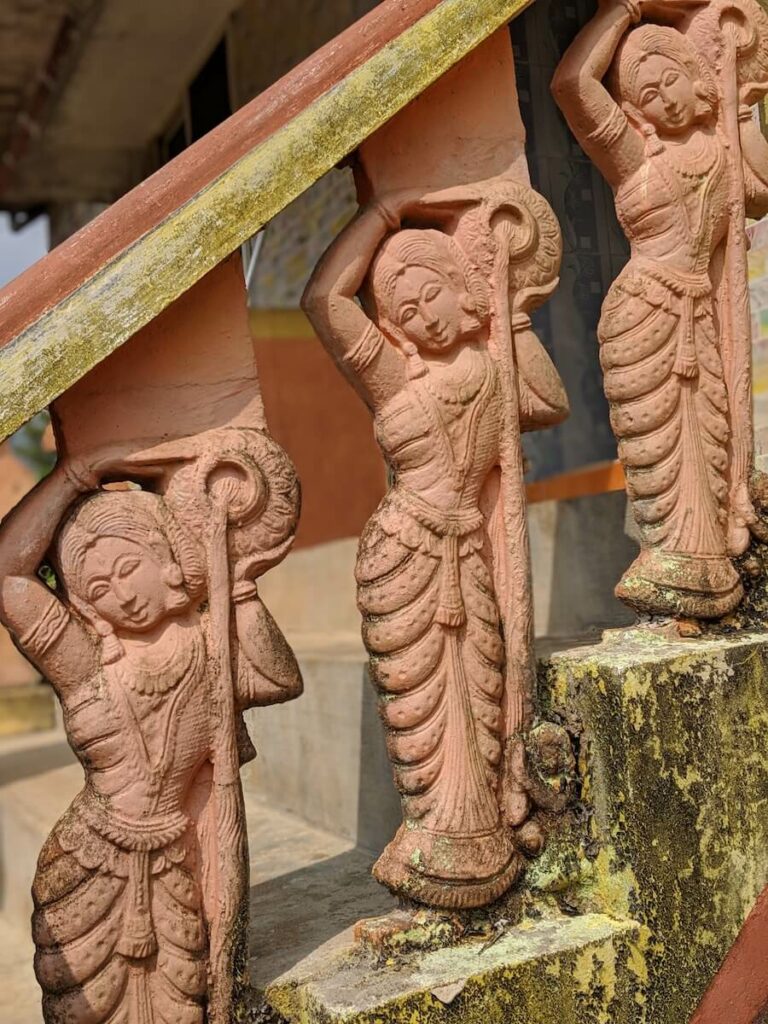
(673, 134)
(156, 641)
(443, 353)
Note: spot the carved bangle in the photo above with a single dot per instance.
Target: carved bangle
(80, 483)
(745, 112)
(245, 590)
(387, 216)
(633, 9)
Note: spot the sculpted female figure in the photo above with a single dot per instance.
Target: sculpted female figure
(417, 351)
(674, 333)
(136, 921)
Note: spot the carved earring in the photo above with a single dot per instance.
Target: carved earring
(704, 106)
(111, 648)
(469, 306)
(172, 575)
(414, 365)
(653, 144)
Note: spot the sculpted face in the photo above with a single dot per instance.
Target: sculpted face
(427, 308)
(124, 583)
(665, 95)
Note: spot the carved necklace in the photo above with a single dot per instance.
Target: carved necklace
(482, 372)
(698, 164)
(697, 175)
(159, 667)
(457, 392)
(192, 645)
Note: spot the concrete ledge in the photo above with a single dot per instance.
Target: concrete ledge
(28, 708)
(583, 970)
(673, 744)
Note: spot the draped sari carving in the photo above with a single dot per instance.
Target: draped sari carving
(443, 353)
(152, 632)
(672, 132)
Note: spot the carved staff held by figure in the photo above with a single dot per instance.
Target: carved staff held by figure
(657, 109)
(443, 578)
(154, 651)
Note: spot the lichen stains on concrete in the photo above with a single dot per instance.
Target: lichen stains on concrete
(674, 742)
(642, 888)
(555, 971)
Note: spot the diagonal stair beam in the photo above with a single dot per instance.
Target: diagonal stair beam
(94, 292)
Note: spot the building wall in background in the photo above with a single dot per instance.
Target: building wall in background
(594, 248)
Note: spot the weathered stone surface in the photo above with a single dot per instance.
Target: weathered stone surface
(674, 763)
(644, 891)
(663, 110)
(583, 970)
(449, 257)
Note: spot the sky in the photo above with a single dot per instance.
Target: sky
(20, 249)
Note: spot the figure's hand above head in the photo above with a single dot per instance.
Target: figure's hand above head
(394, 206)
(86, 472)
(122, 462)
(80, 473)
(667, 10)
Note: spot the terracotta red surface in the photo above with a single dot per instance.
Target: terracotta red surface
(64, 269)
(327, 433)
(656, 107)
(450, 254)
(739, 993)
(155, 642)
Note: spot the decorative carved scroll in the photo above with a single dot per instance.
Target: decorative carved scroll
(156, 641)
(442, 350)
(664, 111)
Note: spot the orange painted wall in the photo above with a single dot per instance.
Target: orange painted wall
(322, 424)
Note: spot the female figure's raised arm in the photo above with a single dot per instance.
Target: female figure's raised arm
(40, 623)
(597, 121)
(357, 345)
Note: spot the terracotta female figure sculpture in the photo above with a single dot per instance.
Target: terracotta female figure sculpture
(669, 135)
(434, 581)
(140, 889)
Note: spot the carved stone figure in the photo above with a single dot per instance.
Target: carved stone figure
(663, 110)
(150, 627)
(442, 351)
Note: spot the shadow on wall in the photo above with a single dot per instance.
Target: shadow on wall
(579, 550)
(378, 806)
(323, 757)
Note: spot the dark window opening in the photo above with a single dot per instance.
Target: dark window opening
(209, 102)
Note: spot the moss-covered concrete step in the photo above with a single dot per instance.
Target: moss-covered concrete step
(569, 970)
(672, 736)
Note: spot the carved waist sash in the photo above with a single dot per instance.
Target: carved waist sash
(689, 288)
(138, 839)
(449, 526)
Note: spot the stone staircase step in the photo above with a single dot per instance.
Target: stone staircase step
(19, 992)
(551, 971)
